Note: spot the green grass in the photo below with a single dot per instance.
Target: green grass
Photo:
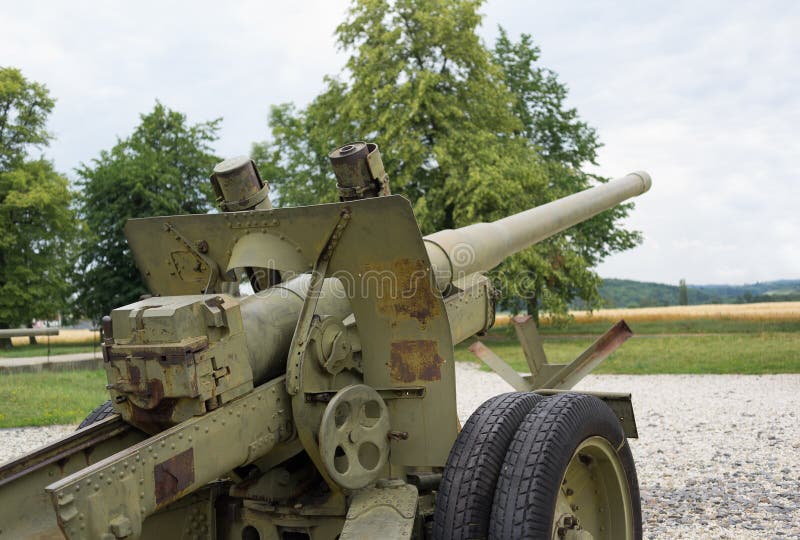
(25, 351)
(697, 326)
(46, 398)
(746, 347)
(756, 353)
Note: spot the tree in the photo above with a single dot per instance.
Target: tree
(161, 169)
(559, 269)
(683, 293)
(460, 130)
(421, 85)
(37, 227)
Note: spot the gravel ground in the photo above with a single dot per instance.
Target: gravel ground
(718, 455)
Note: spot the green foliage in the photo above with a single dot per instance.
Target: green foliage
(624, 293)
(37, 226)
(161, 169)
(24, 108)
(560, 269)
(467, 134)
(683, 293)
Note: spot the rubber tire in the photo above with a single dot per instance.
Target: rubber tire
(101, 412)
(526, 493)
(464, 499)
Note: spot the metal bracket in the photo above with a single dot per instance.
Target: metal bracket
(385, 511)
(619, 403)
(301, 331)
(196, 251)
(115, 495)
(544, 375)
(598, 351)
(531, 341)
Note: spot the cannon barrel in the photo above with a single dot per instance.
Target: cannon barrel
(455, 253)
(269, 318)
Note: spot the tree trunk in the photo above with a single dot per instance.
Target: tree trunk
(532, 304)
(31, 339)
(5, 343)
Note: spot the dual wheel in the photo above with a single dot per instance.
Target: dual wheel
(526, 466)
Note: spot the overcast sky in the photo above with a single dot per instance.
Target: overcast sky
(703, 95)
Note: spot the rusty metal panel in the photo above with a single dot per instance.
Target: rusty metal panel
(415, 360)
(173, 476)
(382, 239)
(400, 292)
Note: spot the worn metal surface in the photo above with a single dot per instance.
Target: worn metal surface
(554, 376)
(531, 341)
(171, 358)
(137, 481)
(25, 508)
(598, 351)
(359, 171)
(353, 436)
(383, 299)
(238, 185)
(470, 307)
(384, 511)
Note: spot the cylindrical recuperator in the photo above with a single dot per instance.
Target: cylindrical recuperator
(269, 319)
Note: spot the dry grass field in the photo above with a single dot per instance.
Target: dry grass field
(767, 311)
(64, 337)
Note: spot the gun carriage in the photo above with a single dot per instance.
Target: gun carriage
(324, 405)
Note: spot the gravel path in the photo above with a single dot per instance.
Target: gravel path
(718, 455)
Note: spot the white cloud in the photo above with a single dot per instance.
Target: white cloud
(702, 95)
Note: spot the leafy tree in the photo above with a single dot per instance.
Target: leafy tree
(161, 169)
(37, 226)
(421, 85)
(468, 134)
(559, 269)
(683, 293)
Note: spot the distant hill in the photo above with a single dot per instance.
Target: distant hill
(624, 293)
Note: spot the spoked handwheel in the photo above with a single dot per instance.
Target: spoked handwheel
(568, 474)
(353, 436)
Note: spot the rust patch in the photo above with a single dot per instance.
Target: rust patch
(173, 476)
(153, 420)
(134, 375)
(403, 289)
(415, 360)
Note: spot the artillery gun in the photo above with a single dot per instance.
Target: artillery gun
(324, 405)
